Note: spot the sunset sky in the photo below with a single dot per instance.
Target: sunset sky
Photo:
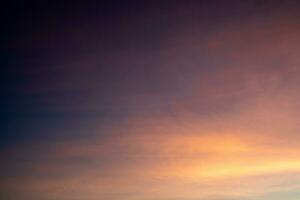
(150, 100)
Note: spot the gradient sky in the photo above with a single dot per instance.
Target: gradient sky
(150, 100)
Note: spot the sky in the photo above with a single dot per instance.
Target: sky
(150, 100)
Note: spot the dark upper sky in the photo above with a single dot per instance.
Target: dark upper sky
(59, 55)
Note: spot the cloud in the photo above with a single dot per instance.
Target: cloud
(207, 113)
